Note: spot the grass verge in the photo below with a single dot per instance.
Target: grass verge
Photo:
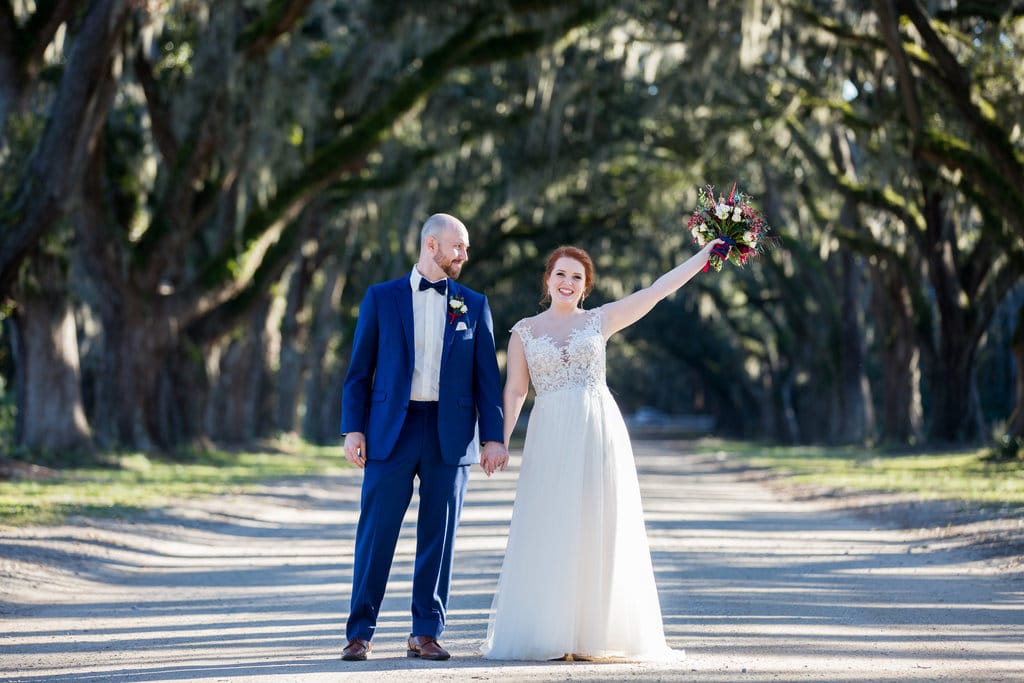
(963, 475)
(126, 485)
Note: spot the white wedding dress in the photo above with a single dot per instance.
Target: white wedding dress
(577, 576)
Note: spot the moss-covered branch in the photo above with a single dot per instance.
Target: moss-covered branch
(279, 17)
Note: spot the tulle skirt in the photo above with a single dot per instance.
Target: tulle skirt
(577, 575)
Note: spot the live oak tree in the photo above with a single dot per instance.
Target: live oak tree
(192, 189)
(940, 170)
(244, 170)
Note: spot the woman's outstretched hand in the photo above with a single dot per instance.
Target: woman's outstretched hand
(722, 246)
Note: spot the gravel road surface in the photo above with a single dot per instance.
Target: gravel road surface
(756, 585)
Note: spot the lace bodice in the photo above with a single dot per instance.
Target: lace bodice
(579, 361)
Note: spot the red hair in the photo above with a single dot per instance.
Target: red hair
(576, 254)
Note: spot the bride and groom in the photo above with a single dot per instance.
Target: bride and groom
(423, 399)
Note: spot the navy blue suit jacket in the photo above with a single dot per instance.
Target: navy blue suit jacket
(378, 383)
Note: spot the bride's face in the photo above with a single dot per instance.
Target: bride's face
(567, 282)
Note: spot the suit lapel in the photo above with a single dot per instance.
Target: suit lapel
(449, 328)
(403, 300)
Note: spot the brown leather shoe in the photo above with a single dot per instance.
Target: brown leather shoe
(426, 647)
(356, 650)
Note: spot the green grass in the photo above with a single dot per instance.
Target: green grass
(934, 475)
(127, 485)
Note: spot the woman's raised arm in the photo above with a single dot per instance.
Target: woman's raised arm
(627, 310)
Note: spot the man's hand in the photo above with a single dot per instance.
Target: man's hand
(494, 457)
(355, 449)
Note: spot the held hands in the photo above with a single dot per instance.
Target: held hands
(355, 449)
(494, 457)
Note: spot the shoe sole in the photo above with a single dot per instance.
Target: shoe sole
(356, 658)
(417, 655)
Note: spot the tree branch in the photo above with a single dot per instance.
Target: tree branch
(159, 113)
(77, 114)
(10, 71)
(40, 29)
(957, 155)
(225, 277)
(22, 49)
(279, 18)
(993, 10)
(888, 25)
(956, 82)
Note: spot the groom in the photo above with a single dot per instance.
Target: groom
(422, 392)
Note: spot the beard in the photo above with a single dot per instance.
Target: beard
(451, 267)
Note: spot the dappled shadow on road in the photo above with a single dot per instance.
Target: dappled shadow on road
(760, 576)
(256, 587)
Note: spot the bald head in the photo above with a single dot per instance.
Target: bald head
(438, 224)
(444, 245)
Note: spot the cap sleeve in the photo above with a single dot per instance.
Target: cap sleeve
(524, 330)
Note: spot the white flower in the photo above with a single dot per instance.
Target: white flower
(722, 210)
(737, 214)
(750, 237)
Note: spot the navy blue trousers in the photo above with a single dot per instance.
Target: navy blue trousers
(386, 494)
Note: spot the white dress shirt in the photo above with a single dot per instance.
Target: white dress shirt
(428, 318)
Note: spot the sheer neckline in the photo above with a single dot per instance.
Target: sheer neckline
(538, 333)
(575, 361)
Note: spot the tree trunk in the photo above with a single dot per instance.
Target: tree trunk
(329, 348)
(791, 424)
(901, 417)
(51, 413)
(1015, 424)
(228, 420)
(183, 396)
(294, 342)
(17, 345)
(240, 398)
(322, 420)
(135, 348)
(953, 414)
(326, 359)
(857, 421)
(76, 118)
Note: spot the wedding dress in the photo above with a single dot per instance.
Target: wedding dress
(577, 576)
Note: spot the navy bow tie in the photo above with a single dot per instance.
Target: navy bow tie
(441, 286)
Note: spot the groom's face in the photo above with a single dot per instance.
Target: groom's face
(452, 251)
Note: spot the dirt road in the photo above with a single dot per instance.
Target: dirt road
(755, 586)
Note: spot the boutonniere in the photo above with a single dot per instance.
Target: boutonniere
(456, 308)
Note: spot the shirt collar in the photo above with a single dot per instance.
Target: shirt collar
(415, 277)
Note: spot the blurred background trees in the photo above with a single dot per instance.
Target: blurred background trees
(195, 195)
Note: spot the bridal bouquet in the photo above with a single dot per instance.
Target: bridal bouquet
(734, 220)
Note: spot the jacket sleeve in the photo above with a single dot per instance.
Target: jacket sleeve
(355, 393)
(487, 379)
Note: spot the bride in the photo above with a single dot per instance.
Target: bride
(577, 580)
